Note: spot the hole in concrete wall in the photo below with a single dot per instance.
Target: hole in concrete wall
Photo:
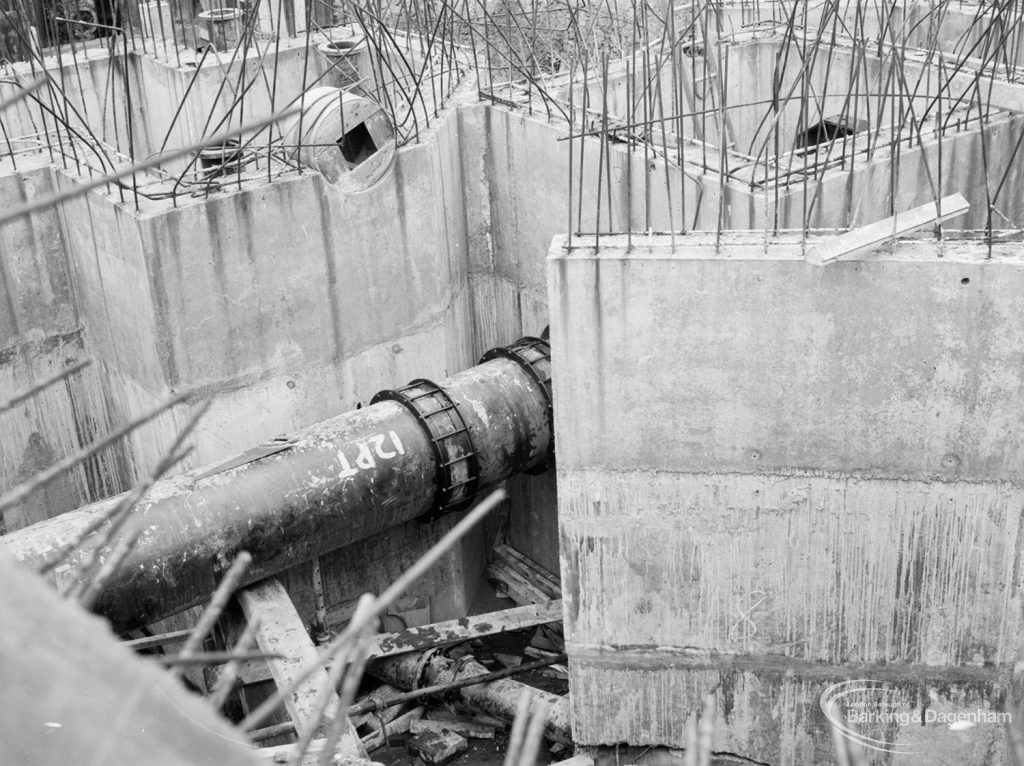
(823, 132)
(348, 138)
(220, 159)
(965, 281)
(357, 145)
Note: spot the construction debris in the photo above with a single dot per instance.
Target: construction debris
(524, 741)
(453, 631)
(499, 697)
(540, 654)
(398, 725)
(558, 671)
(437, 747)
(548, 638)
(484, 720)
(455, 685)
(380, 711)
(314, 753)
(466, 728)
(520, 578)
(576, 760)
(281, 627)
(864, 238)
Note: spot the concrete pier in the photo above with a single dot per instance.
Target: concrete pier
(773, 476)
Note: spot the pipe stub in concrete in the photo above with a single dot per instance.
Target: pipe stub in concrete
(223, 27)
(220, 15)
(341, 57)
(339, 48)
(348, 138)
(218, 159)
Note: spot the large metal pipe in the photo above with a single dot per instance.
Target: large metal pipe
(426, 448)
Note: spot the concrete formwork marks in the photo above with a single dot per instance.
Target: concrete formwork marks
(772, 478)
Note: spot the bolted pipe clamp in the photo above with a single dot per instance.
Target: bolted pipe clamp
(458, 469)
(534, 356)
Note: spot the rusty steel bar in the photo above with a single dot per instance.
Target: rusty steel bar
(498, 697)
(320, 489)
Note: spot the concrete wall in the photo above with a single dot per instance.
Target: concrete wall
(285, 301)
(877, 176)
(957, 29)
(530, 191)
(869, 176)
(173, 102)
(184, 104)
(90, 89)
(289, 302)
(802, 481)
(285, 304)
(41, 333)
(36, 299)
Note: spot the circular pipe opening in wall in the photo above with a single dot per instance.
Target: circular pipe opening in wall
(349, 139)
(219, 159)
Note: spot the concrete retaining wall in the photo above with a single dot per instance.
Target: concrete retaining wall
(961, 29)
(41, 333)
(35, 291)
(802, 480)
(285, 304)
(868, 177)
(91, 92)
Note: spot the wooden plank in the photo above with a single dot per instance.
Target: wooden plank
(440, 714)
(865, 238)
(427, 636)
(539, 654)
(249, 672)
(286, 753)
(282, 631)
(517, 587)
(399, 725)
(162, 639)
(453, 631)
(466, 728)
(530, 569)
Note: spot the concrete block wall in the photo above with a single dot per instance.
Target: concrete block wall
(773, 476)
